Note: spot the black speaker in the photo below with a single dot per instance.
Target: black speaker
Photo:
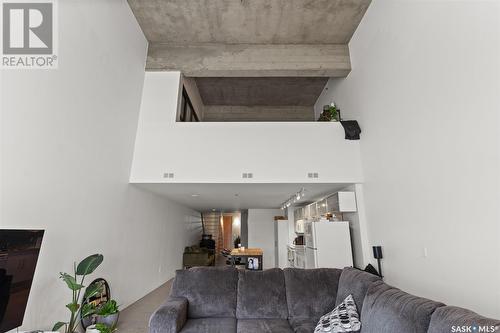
(377, 252)
(352, 129)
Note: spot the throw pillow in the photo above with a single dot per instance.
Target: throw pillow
(344, 318)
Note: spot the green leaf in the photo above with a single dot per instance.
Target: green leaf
(71, 282)
(73, 307)
(103, 328)
(108, 308)
(92, 290)
(88, 309)
(58, 325)
(89, 264)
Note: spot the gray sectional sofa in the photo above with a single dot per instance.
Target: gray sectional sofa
(224, 299)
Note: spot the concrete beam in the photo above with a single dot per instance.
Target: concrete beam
(258, 113)
(251, 60)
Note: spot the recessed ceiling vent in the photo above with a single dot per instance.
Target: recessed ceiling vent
(168, 175)
(312, 175)
(247, 175)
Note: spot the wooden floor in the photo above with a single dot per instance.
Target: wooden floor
(135, 318)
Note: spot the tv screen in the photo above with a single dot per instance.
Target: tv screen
(19, 251)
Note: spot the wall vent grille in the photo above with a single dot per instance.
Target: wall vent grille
(168, 175)
(312, 175)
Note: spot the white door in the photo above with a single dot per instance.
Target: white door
(311, 258)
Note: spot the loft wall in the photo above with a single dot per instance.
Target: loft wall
(424, 87)
(67, 138)
(191, 151)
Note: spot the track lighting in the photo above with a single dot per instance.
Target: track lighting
(293, 199)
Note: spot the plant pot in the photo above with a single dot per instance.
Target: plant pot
(87, 321)
(91, 329)
(110, 320)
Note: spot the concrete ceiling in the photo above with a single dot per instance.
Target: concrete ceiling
(251, 38)
(249, 21)
(232, 197)
(269, 91)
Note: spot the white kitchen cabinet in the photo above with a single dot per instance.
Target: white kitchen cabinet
(298, 213)
(342, 202)
(322, 207)
(313, 210)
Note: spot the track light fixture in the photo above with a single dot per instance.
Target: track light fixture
(293, 199)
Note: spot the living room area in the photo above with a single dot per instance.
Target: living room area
(250, 166)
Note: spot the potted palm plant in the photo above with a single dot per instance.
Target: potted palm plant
(75, 284)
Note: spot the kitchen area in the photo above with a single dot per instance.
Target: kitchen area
(318, 235)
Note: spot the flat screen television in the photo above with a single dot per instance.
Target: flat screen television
(19, 251)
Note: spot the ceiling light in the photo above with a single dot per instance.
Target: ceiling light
(195, 195)
(293, 199)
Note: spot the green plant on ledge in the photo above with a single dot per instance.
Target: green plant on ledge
(108, 308)
(84, 268)
(103, 328)
(330, 113)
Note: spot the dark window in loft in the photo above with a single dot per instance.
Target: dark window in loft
(188, 113)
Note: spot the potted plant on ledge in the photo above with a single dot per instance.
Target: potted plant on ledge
(330, 113)
(108, 314)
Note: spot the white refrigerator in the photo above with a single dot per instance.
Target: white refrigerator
(328, 244)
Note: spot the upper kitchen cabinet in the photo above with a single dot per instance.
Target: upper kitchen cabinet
(322, 207)
(341, 202)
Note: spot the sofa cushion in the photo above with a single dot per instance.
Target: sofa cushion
(303, 325)
(344, 318)
(210, 291)
(264, 326)
(261, 294)
(445, 317)
(356, 283)
(311, 293)
(210, 325)
(390, 310)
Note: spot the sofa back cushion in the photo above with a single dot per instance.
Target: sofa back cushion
(261, 294)
(356, 283)
(210, 291)
(445, 317)
(390, 310)
(310, 293)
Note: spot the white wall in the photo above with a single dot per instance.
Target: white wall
(261, 232)
(192, 150)
(67, 145)
(424, 88)
(358, 227)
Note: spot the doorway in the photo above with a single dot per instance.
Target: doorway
(227, 231)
